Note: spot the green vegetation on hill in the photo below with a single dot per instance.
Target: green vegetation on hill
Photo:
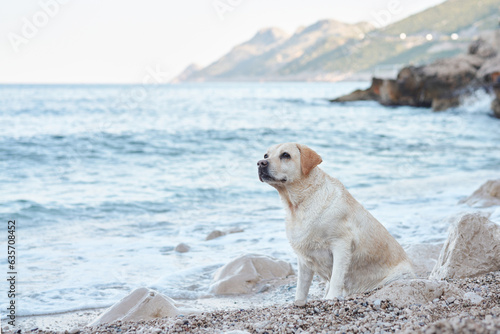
(449, 17)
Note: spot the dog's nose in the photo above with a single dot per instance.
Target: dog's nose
(262, 163)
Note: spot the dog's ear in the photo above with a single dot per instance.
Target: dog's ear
(308, 159)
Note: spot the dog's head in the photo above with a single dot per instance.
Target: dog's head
(287, 163)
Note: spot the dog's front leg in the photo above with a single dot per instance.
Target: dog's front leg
(303, 283)
(341, 259)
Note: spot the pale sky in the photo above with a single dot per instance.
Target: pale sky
(121, 41)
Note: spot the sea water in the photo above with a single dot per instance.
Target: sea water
(104, 181)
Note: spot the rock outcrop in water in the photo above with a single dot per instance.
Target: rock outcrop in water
(440, 85)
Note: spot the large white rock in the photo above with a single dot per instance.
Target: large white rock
(487, 195)
(242, 274)
(423, 257)
(472, 248)
(142, 304)
(403, 293)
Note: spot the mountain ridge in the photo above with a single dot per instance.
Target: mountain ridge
(330, 50)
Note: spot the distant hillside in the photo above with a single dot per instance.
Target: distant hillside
(450, 17)
(332, 50)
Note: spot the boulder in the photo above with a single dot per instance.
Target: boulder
(142, 304)
(472, 248)
(241, 275)
(487, 195)
(423, 257)
(403, 293)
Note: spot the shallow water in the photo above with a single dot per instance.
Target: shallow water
(104, 181)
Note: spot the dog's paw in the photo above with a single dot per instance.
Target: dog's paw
(334, 295)
(338, 298)
(300, 303)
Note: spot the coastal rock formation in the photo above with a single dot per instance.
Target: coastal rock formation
(487, 195)
(141, 305)
(242, 274)
(440, 85)
(472, 248)
(403, 293)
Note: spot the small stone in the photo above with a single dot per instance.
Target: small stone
(236, 230)
(215, 234)
(74, 331)
(450, 300)
(473, 298)
(377, 302)
(182, 248)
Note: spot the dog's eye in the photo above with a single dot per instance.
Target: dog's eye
(285, 155)
(266, 156)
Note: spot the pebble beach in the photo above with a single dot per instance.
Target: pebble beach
(355, 314)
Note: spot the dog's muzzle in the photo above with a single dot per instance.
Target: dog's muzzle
(263, 170)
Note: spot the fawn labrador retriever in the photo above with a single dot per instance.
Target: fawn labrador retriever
(332, 234)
